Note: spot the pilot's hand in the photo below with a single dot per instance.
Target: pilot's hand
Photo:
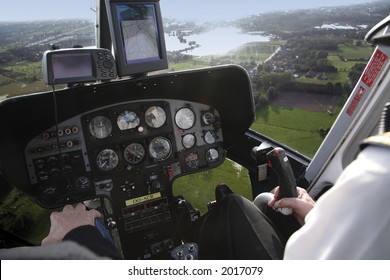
(66, 220)
(301, 205)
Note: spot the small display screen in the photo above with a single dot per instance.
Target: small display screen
(139, 29)
(71, 65)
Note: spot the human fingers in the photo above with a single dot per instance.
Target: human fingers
(272, 202)
(94, 213)
(81, 207)
(67, 208)
(90, 215)
(291, 202)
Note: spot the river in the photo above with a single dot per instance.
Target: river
(217, 41)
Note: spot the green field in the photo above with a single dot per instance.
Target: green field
(16, 217)
(351, 54)
(199, 188)
(298, 129)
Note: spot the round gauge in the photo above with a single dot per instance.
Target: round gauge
(83, 183)
(134, 153)
(100, 127)
(107, 160)
(210, 137)
(212, 155)
(160, 148)
(192, 161)
(189, 141)
(128, 120)
(208, 118)
(155, 117)
(185, 118)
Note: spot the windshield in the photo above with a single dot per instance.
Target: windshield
(303, 59)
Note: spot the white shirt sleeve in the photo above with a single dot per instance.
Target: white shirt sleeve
(352, 219)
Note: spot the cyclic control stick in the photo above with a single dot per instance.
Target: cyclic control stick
(287, 186)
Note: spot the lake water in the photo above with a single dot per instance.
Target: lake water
(218, 41)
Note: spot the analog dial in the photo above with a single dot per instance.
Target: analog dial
(185, 118)
(134, 153)
(210, 137)
(100, 127)
(107, 160)
(188, 141)
(155, 117)
(128, 120)
(212, 155)
(160, 148)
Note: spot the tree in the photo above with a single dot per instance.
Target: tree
(272, 93)
(329, 88)
(356, 72)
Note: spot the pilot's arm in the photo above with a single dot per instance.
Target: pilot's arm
(78, 225)
(72, 236)
(352, 220)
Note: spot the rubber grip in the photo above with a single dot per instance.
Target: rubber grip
(103, 230)
(280, 163)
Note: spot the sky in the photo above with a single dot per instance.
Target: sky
(22, 10)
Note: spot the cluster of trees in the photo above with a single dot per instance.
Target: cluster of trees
(268, 85)
(302, 54)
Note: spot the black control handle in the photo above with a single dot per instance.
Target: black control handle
(103, 230)
(280, 163)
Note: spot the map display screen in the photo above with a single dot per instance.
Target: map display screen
(140, 32)
(137, 35)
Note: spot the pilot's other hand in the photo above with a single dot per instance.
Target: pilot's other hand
(301, 205)
(66, 220)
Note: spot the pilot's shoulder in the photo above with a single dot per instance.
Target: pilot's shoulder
(382, 140)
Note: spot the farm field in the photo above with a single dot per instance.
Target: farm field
(297, 128)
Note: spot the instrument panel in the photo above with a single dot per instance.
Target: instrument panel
(129, 153)
(125, 141)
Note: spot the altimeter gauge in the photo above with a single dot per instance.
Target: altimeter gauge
(134, 153)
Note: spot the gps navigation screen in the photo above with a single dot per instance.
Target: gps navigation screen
(72, 65)
(139, 31)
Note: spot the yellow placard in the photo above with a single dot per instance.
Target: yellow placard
(142, 199)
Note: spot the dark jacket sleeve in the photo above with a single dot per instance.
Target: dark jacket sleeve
(90, 237)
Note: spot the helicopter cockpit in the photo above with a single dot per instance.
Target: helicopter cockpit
(124, 140)
(117, 137)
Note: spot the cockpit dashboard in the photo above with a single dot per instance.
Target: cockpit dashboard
(125, 141)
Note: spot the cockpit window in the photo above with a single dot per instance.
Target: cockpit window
(301, 70)
(303, 62)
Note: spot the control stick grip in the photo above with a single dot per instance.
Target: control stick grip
(103, 230)
(280, 163)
